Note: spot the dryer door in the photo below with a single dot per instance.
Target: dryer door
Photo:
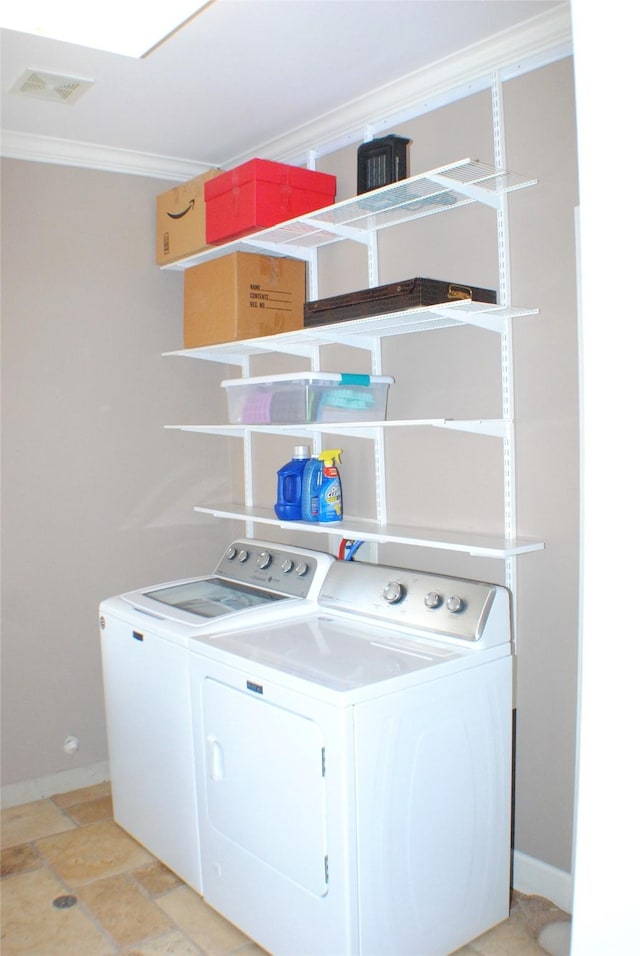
(265, 786)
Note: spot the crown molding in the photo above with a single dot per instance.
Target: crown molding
(531, 45)
(65, 152)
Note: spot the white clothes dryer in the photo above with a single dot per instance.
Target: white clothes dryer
(354, 767)
(144, 639)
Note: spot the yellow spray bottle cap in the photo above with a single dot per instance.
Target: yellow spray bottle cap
(331, 455)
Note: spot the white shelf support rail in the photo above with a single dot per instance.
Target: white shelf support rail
(313, 280)
(380, 477)
(379, 444)
(247, 457)
(373, 259)
(506, 348)
(247, 450)
(316, 442)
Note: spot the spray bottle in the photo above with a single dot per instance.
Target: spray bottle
(322, 488)
(330, 497)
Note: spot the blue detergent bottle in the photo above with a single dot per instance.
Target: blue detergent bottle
(322, 488)
(288, 506)
(311, 482)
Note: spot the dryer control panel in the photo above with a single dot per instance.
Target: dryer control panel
(455, 608)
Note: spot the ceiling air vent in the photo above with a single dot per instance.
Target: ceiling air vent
(54, 87)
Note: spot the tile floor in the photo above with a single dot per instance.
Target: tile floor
(123, 901)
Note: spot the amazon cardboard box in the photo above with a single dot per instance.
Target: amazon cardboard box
(242, 296)
(180, 220)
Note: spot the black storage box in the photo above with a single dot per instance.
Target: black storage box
(382, 161)
(395, 297)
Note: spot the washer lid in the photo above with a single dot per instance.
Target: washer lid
(333, 652)
(198, 602)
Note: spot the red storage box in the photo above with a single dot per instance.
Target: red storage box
(259, 194)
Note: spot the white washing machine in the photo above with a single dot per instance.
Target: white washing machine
(354, 767)
(144, 639)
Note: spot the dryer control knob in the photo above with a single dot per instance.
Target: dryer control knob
(243, 555)
(286, 565)
(301, 568)
(231, 553)
(263, 560)
(394, 592)
(433, 599)
(454, 603)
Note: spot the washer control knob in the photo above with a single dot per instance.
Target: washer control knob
(243, 555)
(433, 599)
(394, 592)
(263, 560)
(231, 553)
(454, 603)
(301, 568)
(286, 565)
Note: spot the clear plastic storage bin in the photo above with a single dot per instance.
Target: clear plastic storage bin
(301, 397)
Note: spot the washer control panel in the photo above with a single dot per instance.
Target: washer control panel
(451, 607)
(275, 567)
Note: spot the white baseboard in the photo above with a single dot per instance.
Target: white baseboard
(29, 790)
(534, 877)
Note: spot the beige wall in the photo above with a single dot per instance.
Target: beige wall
(541, 112)
(97, 496)
(113, 510)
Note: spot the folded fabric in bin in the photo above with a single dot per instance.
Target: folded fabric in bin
(345, 404)
(348, 398)
(257, 408)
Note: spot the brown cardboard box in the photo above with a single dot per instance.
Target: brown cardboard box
(242, 296)
(180, 219)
